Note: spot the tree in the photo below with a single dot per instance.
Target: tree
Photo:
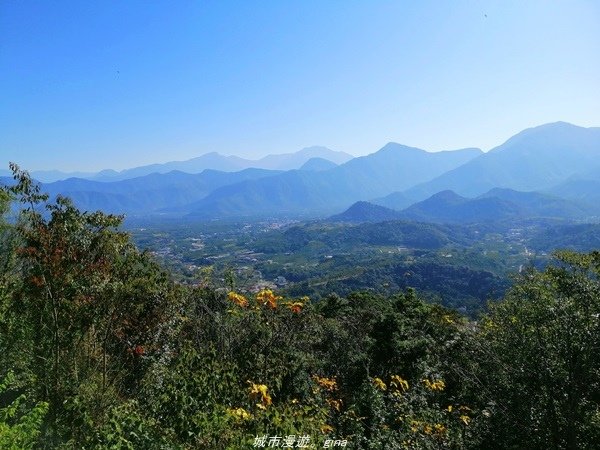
(538, 362)
(94, 309)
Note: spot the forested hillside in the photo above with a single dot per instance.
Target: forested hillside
(101, 349)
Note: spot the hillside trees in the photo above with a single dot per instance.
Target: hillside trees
(538, 366)
(99, 348)
(89, 307)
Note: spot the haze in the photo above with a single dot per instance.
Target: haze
(95, 85)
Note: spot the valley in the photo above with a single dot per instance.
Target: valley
(459, 266)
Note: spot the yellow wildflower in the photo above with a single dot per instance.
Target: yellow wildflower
(436, 385)
(334, 404)
(295, 307)
(328, 384)
(239, 413)
(378, 382)
(415, 425)
(465, 419)
(489, 325)
(258, 392)
(449, 408)
(399, 383)
(268, 298)
(238, 299)
(439, 428)
(326, 429)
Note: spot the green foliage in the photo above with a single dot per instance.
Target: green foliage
(128, 428)
(100, 348)
(538, 361)
(19, 423)
(89, 308)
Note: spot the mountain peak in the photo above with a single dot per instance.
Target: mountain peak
(395, 147)
(542, 135)
(447, 196)
(317, 164)
(362, 211)
(315, 148)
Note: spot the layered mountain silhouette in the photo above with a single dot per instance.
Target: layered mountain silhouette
(213, 160)
(533, 160)
(583, 188)
(216, 161)
(395, 200)
(366, 212)
(394, 167)
(495, 205)
(149, 193)
(318, 164)
(549, 171)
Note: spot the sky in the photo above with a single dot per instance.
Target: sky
(118, 84)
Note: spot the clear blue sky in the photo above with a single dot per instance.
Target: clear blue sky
(86, 85)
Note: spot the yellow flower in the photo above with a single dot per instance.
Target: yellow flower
(295, 307)
(238, 299)
(465, 419)
(268, 298)
(447, 318)
(326, 429)
(378, 382)
(334, 404)
(436, 385)
(489, 325)
(439, 428)
(399, 383)
(414, 425)
(258, 392)
(239, 413)
(328, 384)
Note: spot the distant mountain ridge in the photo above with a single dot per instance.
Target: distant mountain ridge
(548, 171)
(448, 207)
(396, 200)
(364, 212)
(394, 167)
(150, 193)
(317, 164)
(533, 160)
(216, 161)
(211, 161)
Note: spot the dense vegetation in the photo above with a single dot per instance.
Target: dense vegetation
(101, 348)
(462, 266)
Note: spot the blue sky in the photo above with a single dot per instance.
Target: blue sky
(117, 84)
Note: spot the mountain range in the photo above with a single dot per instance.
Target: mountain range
(149, 193)
(552, 171)
(533, 160)
(213, 160)
(394, 167)
(498, 204)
